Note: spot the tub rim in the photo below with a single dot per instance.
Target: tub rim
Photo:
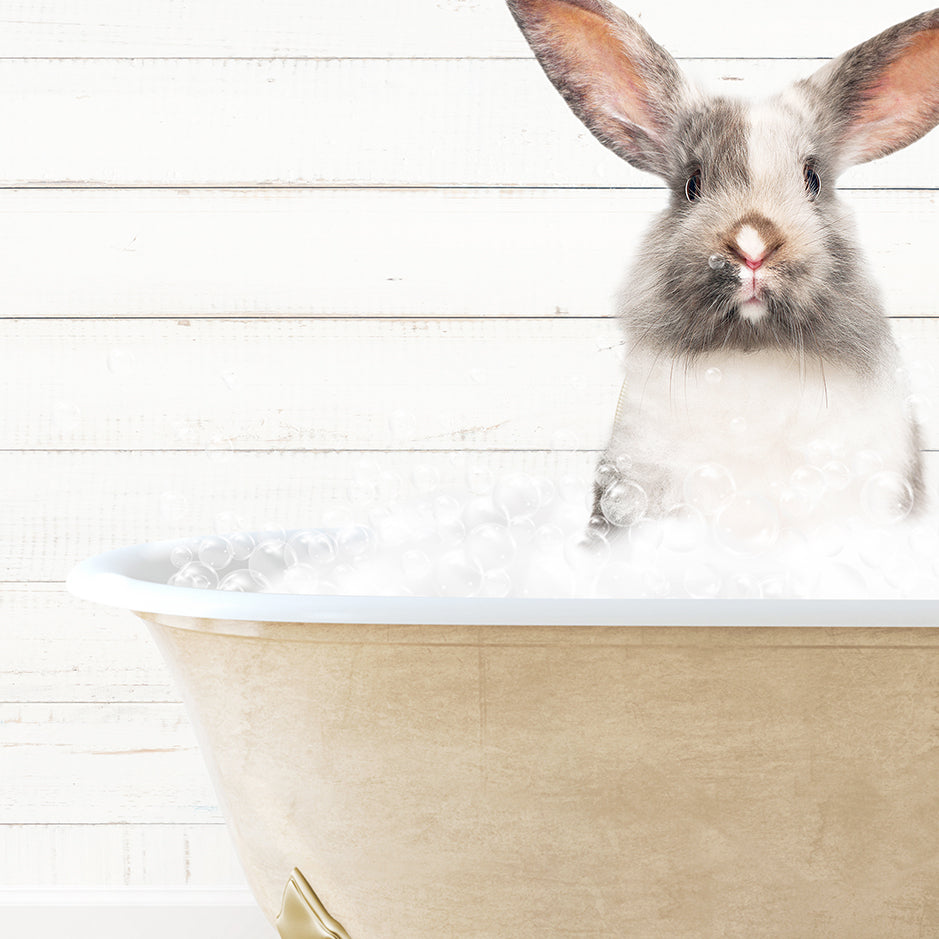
(119, 578)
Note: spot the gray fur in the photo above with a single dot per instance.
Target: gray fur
(818, 300)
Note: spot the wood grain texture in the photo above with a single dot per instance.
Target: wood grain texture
(412, 253)
(409, 28)
(327, 384)
(118, 855)
(102, 763)
(328, 122)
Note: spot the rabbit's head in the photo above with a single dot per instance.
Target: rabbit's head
(755, 249)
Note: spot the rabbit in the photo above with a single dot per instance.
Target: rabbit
(759, 362)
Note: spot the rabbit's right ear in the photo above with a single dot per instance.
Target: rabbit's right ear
(617, 80)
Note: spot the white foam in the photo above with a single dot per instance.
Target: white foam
(527, 536)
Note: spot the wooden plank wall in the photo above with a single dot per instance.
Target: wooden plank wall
(252, 251)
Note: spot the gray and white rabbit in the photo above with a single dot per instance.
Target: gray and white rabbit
(757, 343)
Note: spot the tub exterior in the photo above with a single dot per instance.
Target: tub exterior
(591, 781)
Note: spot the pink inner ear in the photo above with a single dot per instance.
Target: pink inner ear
(904, 104)
(597, 55)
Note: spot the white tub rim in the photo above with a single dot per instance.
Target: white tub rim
(120, 578)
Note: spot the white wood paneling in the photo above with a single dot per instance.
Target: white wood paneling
(324, 384)
(62, 506)
(55, 649)
(118, 855)
(328, 252)
(118, 427)
(144, 914)
(412, 28)
(100, 763)
(449, 122)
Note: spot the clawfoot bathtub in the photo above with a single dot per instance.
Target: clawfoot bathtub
(425, 768)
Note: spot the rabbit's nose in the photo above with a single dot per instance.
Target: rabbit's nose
(752, 246)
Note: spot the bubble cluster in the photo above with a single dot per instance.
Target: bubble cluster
(522, 535)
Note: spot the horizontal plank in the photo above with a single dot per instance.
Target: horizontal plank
(325, 384)
(55, 649)
(60, 507)
(84, 763)
(118, 855)
(327, 252)
(133, 122)
(150, 913)
(410, 28)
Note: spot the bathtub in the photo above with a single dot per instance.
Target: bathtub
(434, 768)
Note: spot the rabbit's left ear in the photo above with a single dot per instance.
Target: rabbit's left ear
(625, 87)
(883, 94)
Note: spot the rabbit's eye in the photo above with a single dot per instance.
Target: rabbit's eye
(813, 185)
(693, 186)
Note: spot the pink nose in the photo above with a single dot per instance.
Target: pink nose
(753, 263)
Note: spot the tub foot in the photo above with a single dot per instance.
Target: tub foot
(302, 916)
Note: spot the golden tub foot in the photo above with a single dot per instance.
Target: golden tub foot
(302, 916)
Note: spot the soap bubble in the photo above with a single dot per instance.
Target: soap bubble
(496, 584)
(606, 474)
(584, 553)
(490, 546)
(244, 581)
(181, 555)
(887, 498)
(242, 544)
(457, 576)
(549, 538)
(311, 546)
(517, 494)
(195, 575)
(447, 509)
(355, 541)
(837, 475)
(810, 481)
(299, 578)
(623, 503)
(713, 376)
(269, 558)
(709, 487)
(716, 262)
(748, 525)
(481, 510)
(867, 462)
(215, 552)
(426, 478)
(701, 581)
(416, 565)
(829, 539)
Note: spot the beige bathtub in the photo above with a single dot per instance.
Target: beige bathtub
(526, 769)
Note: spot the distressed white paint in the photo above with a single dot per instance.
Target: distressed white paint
(107, 787)
(316, 122)
(511, 383)
(152, 913)
(391, 253)
(412, 28)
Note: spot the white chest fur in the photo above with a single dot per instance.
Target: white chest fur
(764, 416)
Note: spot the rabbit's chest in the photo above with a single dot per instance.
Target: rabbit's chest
(764, 416)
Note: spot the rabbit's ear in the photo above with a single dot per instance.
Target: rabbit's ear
(621, 84)
(883, 94)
